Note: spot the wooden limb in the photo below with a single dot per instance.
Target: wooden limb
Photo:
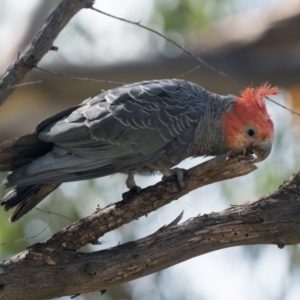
(273, 219)
(91, 228)
(40, 45)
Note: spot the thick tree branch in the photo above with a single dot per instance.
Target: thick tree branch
(54, 269)
(40, 45)
(89, 229)
(273, 219)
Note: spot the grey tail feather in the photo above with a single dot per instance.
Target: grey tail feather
(23, 199)
(18, 152)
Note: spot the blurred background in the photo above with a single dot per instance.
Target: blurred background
(253, 41)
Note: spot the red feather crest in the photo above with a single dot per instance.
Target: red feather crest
(258, 94)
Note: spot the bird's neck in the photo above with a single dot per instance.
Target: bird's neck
(210, 138)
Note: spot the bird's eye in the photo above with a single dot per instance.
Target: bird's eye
(251, 132)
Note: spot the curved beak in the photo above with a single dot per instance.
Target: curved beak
(261, 150)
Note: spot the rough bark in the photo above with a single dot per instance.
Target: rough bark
(91, 228)
(40, 45)
(48, 270)
(54, 269)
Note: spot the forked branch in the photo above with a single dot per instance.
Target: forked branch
(40, 45)
(273, 219)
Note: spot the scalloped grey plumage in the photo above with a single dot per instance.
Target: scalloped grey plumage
(142, 127)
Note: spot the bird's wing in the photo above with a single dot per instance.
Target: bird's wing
(124, 128)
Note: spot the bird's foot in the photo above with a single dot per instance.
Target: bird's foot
(178, 172)
(134, 190)
(241, 152)
(237, 152)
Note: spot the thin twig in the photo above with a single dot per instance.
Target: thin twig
(26, 237)
(54, 213)
(290, 110)
(203, 63)
(188, 72)
(40, 44)
(78, 78)
(196, 210)
(170, 41)
(23, 84)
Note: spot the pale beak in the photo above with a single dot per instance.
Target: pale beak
(261, 150)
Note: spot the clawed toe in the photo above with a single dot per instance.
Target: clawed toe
(237, 152)
(131, 192)
(178, 172)
(180, 177)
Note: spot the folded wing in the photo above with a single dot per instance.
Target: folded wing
(121, 129)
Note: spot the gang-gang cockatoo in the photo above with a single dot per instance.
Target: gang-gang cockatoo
(142, 127)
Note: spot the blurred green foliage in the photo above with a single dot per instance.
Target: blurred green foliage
(191, 15)
(181, 20)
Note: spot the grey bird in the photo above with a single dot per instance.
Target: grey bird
(143, 127)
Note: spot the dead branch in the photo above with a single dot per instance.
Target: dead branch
(79, 78)
(54, 268)
(273, 219)
(40, 45)
(26, 237)
(91, 228)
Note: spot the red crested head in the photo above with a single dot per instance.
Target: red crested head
(248, 122)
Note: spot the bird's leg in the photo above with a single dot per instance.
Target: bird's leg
(178, 172)
(130, 183)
